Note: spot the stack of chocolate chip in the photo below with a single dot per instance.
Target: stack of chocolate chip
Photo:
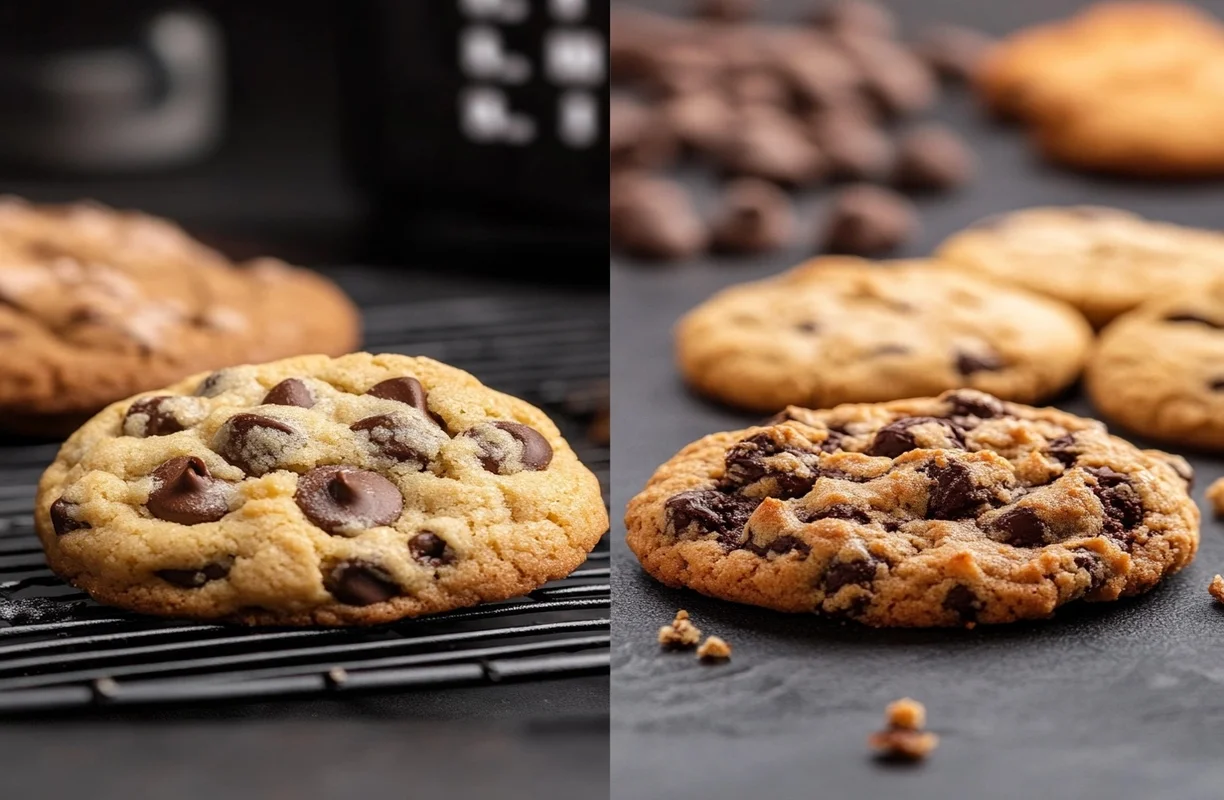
(778, 108)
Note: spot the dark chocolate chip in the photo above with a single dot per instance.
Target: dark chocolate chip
(405, 390)
(895, 79)
(251, 442)
(953, 493)
(185, 492)
(982, 406)
(1060, 449)
(845, 573)
(961, 600)
(954, 52)
(1216, 384)
(1095, 567)
(747, 462)
(836, 511)
(347, 500)
(758, 87)
(392, 437)
(654, 218)
(711, 511)
(212, 385)
(896, 438)
(290, 392)
(833, 442)
(868, 220)
(856, 148)
(63, 519)
(536, 452)
(771, 145)
(756, 217)
(933, 158)
(1120, 502)
(969, 363)
(430, 549)
(158, 413)
(359, 583)
(1190, 316)
(857, 16)
(781, 546)
(1021, 527)
(195, 578)
(638, 136)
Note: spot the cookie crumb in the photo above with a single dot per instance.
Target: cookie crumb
(680, 633)
(906, 714)
(1215, 495)
(714, 649)
(1217, 588)
(904, 739)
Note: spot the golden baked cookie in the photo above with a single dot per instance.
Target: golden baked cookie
(97, 304)
(837, 330)
(945, 511)
(1159, 370)
(1103, 261)
(313, 490)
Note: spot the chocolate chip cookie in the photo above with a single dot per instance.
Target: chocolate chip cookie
(838, 330)
(943, 511)
(97, 304)
(1103, 261)
(357, 490)
(1159, 370)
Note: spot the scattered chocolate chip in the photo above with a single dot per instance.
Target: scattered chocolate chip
(726, 10)
(654, 218)
(969, 363)
(682, 67)
(254, 443)
(969, 404)
(185, 492)
(400, 437)
(836, 511)
(953, 492)
(845, 573)
(868, 220)
(1120, 502)
(933, 158)
(756, 216)
(151, 416)
(195, 578)
(1095, 567)
(896, 438)
(781, 546)
(771, 145)
(430, 549)
(1021, 527)
(63, 518)
(856, 149)
(954, 52)
(711, 511)
(899, 82)
(761, 86)
(1060, 449)
(821, 75)
(638, 137)
(359, 583)
(347, 500)
(290, 392)
(961, 600)
(1190, 316)
(747, 462)
(857, 16)
(535, 453)
(700, 121)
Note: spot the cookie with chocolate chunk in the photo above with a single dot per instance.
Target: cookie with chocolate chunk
(1159, 370)
(947, 511)
(97, 305)
(346, 491)
(837, 330)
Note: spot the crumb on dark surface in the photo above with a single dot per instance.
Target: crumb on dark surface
(680, 633)
(714, 649)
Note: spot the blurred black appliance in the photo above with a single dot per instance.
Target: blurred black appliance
(477, 128)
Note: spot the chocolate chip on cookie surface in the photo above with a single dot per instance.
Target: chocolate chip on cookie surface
(1103, 261)
(839, 330)
(99, 304)
(947, 511)
(354, 490)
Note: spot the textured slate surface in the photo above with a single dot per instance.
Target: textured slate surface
(1115, 700)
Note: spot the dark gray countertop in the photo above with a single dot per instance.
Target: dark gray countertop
(1112, 700)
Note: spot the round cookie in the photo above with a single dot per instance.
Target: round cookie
(954, 510)
(355, 490)
(97, 304)
(838, 330)
(1103, 261)
(1159, 370)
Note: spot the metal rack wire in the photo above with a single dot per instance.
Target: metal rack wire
(59, 649)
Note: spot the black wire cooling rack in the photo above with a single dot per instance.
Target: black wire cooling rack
(59, 649)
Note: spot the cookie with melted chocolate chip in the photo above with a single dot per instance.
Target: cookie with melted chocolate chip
(97, 305)
(1159, 370)
(355, 490)
(947, 511)
(839, 330)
